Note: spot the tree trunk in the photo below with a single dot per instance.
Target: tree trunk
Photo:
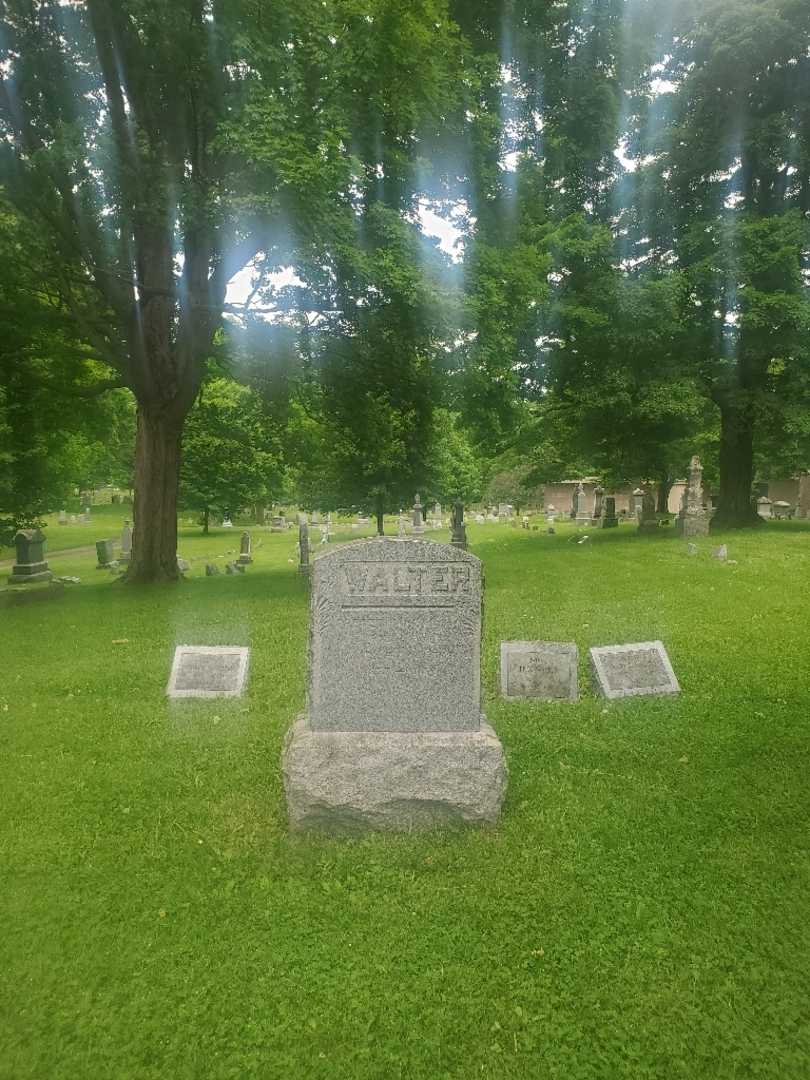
(157, 466)
(734, 508)
(664, 488)
(206, 519)
(379, 515)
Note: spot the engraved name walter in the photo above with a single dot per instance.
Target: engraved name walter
(395, 638)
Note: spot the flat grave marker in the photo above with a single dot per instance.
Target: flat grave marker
(640, 668)
(208, 671)
(543, 670)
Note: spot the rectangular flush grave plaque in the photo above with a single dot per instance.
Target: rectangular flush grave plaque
(544, 670)
(395, 634)
(631, 670)
(207, 671)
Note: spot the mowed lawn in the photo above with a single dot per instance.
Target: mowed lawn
(641, 910)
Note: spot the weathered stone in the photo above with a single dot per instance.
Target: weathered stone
(395, 638)
(694, 520)
(580, 511)
(765, 507)
(609, 519)
(418, 518)
(394, 735)
(349, 782)
(303, 546)
(458, 530)
(207, 671)
(104, 554)
(632, 670)
(546, 670)
(126, 543)
(30, 566)
(244, 549)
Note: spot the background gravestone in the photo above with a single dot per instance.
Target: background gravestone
(545, 670)
(208, 671)
(30, 567)
(632, 670)
(394, 737)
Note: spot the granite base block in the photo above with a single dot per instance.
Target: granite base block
(350, 782)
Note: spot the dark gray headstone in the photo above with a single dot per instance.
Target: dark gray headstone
(30, 566)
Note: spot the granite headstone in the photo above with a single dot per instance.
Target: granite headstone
(394, 737)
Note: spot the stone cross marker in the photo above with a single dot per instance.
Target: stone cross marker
(631, 670)
(208, 671)
(30, 545)
(394, 737)
(546, 670)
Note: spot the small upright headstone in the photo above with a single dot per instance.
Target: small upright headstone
(720, 553)
(394, 738)
(609, 519)
(227, 523)
(458, 530)
(649, 521)
(598, 496)
(63, 518)
(30, 567)
(546, 670)
(183, 565)
(208, 671)
(277, 524)
(244, 550)
(104, 553)
(632, 670)
(580, 510)
(126, 543)
(695, 518)
(418, 519)
(303, 546)
(765, 507)
(637, 503)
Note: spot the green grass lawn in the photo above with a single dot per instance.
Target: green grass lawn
(641, 910)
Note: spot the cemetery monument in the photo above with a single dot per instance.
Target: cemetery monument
(393, 738)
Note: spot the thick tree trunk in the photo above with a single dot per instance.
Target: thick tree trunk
(664, 488)
(157, 466)
(734, 508)
(378, 513)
